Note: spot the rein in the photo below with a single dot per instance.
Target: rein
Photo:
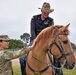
(51, 64)
(41, 61)
(48, 65)
(37, 71)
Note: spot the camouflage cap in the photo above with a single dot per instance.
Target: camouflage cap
(4, 37)
(46, 7)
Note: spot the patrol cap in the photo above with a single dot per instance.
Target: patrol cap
(4, 37)
(46, 7)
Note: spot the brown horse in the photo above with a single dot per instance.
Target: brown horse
(53, 38)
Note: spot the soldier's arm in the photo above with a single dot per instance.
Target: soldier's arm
(18, 53)
(22, 52)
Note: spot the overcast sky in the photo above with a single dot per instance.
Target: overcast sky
(15, 15)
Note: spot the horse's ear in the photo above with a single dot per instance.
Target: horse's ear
(67, 25)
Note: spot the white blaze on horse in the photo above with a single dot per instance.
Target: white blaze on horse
(55, 39)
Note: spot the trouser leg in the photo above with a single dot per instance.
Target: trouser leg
(58, 64)
(22, 64)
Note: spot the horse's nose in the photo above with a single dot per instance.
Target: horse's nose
(72, 66)
(69, 65)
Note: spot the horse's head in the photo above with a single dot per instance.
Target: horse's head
(61, 47)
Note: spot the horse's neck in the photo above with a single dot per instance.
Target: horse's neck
(41, 49)
(39, 53)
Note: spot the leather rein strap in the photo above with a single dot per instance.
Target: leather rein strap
(37, 71)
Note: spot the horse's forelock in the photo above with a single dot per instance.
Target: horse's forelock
(66, 30)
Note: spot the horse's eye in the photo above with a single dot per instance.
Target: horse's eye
(65, 42)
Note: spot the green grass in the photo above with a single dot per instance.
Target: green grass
(69, 72)
(17, 71)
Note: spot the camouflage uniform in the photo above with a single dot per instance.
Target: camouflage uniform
(5, 60)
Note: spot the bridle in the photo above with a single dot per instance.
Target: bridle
(59, 46)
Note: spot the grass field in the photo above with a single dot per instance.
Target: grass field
(70, 72)
(17, 71)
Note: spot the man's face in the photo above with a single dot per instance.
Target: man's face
(4, 44)
(45, 14)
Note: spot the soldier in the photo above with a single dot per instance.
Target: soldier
(6, 56)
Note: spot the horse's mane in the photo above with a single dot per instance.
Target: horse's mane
(45, 34)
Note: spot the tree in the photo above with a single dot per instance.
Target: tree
(73, 46)
(25, 37)
(14, 44)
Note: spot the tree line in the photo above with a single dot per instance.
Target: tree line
(24, 41)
